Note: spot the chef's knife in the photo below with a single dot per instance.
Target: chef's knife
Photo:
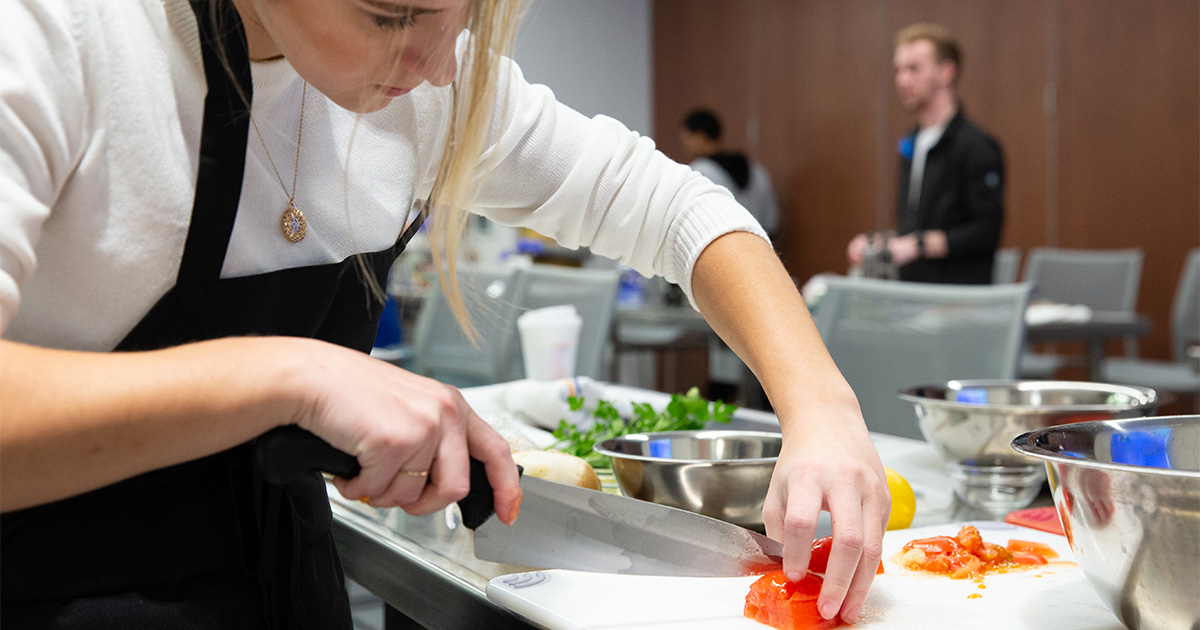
(283, 453)
(561, 526)
(565, 527)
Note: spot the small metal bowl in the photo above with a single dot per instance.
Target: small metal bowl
(1128, 495)
(978, 419)
(722, 474)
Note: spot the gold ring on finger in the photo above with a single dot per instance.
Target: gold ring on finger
(414, 473)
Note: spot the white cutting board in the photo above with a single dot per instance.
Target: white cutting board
(1055, 597)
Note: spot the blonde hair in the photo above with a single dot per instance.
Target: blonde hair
(493, 25)
(945, 46)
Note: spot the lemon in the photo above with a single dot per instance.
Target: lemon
(904, 502)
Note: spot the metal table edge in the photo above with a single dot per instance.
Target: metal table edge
(418, 589)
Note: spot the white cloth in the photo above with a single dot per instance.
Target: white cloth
(925, 140)
(758, 196)
(101, 105)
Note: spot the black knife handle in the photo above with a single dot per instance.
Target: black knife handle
(284, 453)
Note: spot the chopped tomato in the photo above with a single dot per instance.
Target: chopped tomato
(818, 562)
(1041, 549)
(1024, 557)
(967, 555)
(970, 539)
(775, 601)
(937, 544)
(967, 565)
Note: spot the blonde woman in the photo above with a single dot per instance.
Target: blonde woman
(197, 201)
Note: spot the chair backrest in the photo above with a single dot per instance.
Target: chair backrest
(442, 350)
(1185, 313)
(888, 336)
(1004, 271)
(1104, 280)
(593, 292)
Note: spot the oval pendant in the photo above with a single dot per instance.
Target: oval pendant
(294, 225)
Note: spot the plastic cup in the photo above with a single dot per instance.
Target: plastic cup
(549, 342)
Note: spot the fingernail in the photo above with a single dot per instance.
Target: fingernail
(851, 616)
(829, 610)
(794, 576)
(516, 508)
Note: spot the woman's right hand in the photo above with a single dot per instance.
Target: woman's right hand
(400, 425)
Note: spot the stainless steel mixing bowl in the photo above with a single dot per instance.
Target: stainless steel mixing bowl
(978, 419)
(722, 474)
(1128, 495)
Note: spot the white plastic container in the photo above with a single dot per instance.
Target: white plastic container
(549, 342)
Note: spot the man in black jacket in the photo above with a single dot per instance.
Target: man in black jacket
(950, 197)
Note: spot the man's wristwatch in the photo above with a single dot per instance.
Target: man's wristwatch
(920, 243)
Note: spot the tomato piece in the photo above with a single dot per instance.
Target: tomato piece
(936, 562)
(775, 601)
(1026, 557)
(994, 555)
(818, 562)
(1041, 549)
(936, 544)
(970, 565)
(970, 539)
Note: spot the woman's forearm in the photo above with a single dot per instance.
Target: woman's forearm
(76, 421)
(751, 302)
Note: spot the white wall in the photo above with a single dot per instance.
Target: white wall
(594, 54)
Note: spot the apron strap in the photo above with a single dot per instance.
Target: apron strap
(222, 147)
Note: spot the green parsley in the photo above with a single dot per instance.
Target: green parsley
(685, 412)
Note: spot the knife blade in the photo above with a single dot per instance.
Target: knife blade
(566, 527)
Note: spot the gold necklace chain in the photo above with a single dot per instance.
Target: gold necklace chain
(293, 223)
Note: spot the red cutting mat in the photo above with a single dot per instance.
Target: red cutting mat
(1043, 518)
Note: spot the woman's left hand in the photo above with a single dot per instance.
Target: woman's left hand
(829, 463)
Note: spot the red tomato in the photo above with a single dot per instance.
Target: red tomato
(1041, 549)
(775, 601)
(970, 539)
(818, 562)
(936, 544)
(967, 554)
(994, 554)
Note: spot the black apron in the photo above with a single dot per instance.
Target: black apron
(206, 543)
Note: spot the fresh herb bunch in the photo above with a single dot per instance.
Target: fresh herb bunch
(685, 412)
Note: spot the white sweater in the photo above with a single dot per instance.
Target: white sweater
(101, 105)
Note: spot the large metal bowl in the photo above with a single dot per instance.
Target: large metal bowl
(978, 419)
(1128, 495)
(722, 474)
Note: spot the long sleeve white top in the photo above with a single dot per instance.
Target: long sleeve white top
(101, 106)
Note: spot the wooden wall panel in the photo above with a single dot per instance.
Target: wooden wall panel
(817, 131)
(1130, 139)
(1097, 105)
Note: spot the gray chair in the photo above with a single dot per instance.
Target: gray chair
(441, 349)
(1004, 270)
(888, 336)
(593, 292)
(1179, 374)
(1103, 280)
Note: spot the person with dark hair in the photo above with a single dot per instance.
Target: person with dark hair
(745, 178)
(950, 194)
(199, 203)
